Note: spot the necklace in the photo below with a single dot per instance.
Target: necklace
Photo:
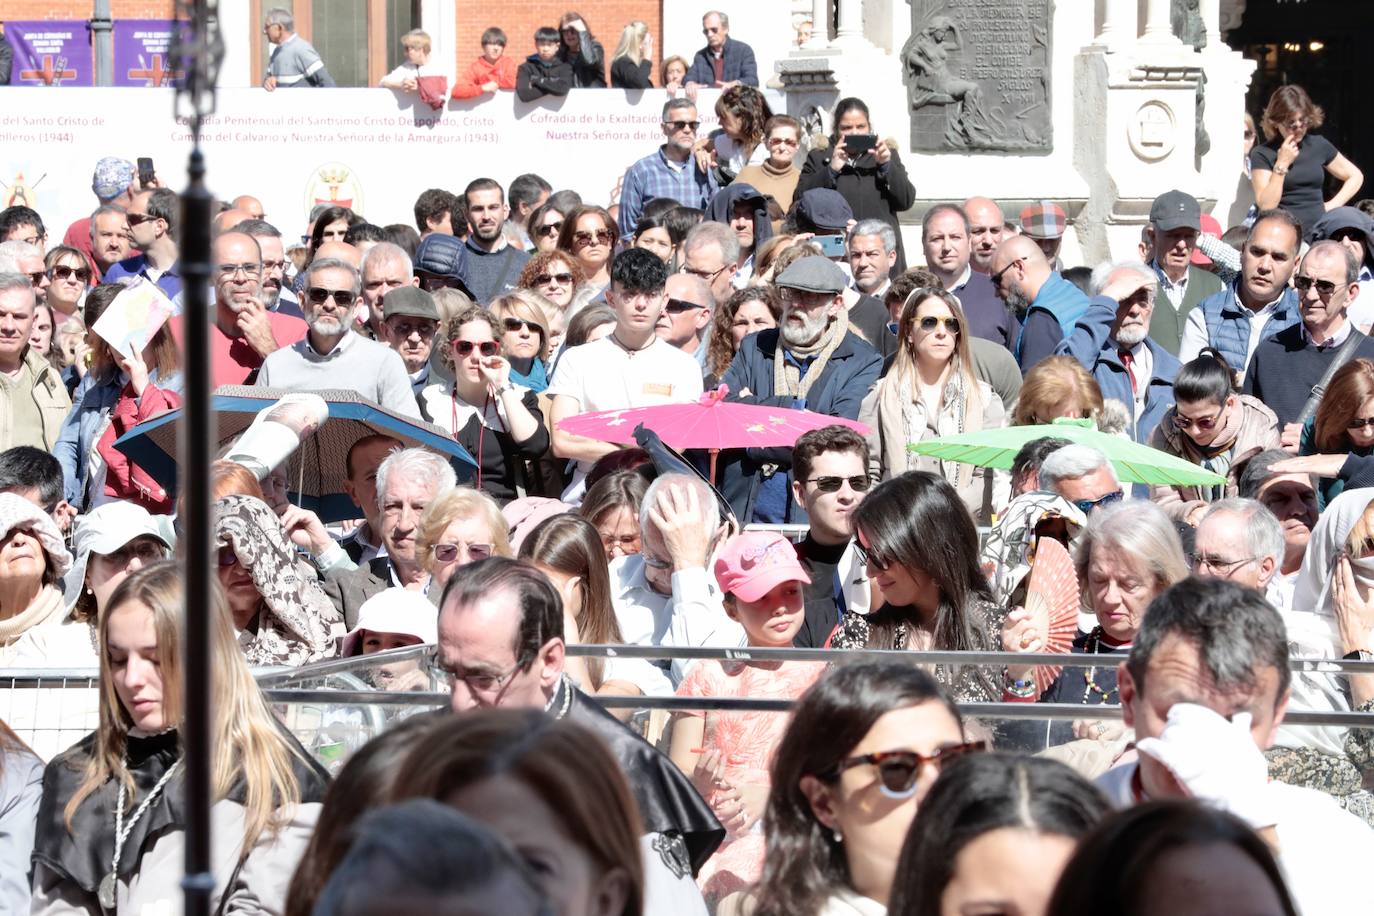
(1090, 676)
(106, 891)
(631, 351)
(565, 688)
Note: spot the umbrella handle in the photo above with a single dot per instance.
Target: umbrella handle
(715, 397)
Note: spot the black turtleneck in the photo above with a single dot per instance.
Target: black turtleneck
(822, 607)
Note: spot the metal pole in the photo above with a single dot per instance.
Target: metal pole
(102, 33)
(199, 57)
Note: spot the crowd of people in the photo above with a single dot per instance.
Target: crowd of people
(766, 267)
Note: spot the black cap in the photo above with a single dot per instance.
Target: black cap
(1176, 210)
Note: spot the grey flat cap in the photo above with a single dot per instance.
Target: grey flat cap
(813, 274)
(410, 301)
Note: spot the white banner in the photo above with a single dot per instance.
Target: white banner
(374, 150)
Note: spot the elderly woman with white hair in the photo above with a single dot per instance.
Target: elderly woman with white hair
(33, 561)
(1111, 340)
(1129, 553)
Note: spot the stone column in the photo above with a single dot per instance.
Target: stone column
(851, 24)
(1120, 24)
(820, 26)
(1211, 20)
(1157, 28)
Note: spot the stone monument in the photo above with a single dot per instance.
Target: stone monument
(977, 75)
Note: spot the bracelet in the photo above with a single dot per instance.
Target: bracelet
(1280, 170)
(504, 388)
(1023, 690)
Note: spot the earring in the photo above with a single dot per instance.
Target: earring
(838, 837)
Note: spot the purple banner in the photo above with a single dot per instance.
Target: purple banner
(51, 53)
(142, 52)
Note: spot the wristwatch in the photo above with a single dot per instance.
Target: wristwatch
(1359, 655)
(504, 388)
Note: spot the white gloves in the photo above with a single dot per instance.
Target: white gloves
(1216, 761)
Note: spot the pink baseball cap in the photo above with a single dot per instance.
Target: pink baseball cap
(1211, 227)
(752, 564)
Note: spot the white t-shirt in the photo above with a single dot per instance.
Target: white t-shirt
(602, 375)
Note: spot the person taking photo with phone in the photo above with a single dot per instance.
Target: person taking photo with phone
(867, 172)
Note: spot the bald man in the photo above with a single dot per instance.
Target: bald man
(1047, 304)
(228, 219)
(985, 230)
(341, 250)
(249, 204)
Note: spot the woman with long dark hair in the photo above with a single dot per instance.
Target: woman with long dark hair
(935, 595)
(868, 172)
(1337, 445)
(864, 747)
(995, 832)
(589, 234)
(331, 226)
(581, 51)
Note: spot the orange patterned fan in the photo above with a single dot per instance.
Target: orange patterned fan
(1052, 603)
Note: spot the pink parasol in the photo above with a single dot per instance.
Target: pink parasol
(712, 423)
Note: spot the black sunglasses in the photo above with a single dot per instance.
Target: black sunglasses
(1360, 423)
(997, 277)
(870, 557)
(832, 484)
(318, 295)
(138, 219)
(930, 322)
(1302, 283)
(487, 347)
(678, 125)
(515, 324)
(62, 272)
(678, 306)
(898, 771)
(560, 279)
(548, 229)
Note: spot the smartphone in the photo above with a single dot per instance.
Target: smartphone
(145, 171)
(832, 246)
(858, 144)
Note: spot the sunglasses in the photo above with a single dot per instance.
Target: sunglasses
(898, 771)
(549, 229)
(318, 295)
(550, 279)
(930, 323)
(447, 553)
(679, 125)
(37, 277)
(1088, 505)
(870, 557)
(1204, 424)
(678, 306)
(514, 324)
(138, 219)
(1360, 423)
(227, 558)
(997, 277)
(1302, 283)
(487, 347)
(602, 236)
(62, 272)
(831, 484)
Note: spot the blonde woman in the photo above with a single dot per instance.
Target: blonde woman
(932, 391)
(266, 789)
(461, 526)
(633, 59)
(524, 337)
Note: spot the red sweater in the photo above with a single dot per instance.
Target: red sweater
(482, 71)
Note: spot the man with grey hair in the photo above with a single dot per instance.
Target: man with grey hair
(386, 266)
(1287, 367)
(33, 399)
(1175, 222)
(276, 295)
(711, 252)
(19, 257)
(945, 234)
(1111, 340)
(1239, 539)
(294, 61)
(333, 355)
(724, 62)
(1082, 475)
(686, 316)
(665, 595)
(671, 171)
(872, 253)
(408, 480)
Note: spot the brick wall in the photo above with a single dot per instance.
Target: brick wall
(519, 18)
(81, 9)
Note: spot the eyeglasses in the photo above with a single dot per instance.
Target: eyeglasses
(227, 558)
(447, 553)
(678, 306)
(146, 551)
(655, 562)
(600, 236)
(318, 295)
(272, 266)
(831, 484)
(514, 324)
(138, 219)
(489, 684)
(997, 277)
(1088, 505)
(676, 126)
(1201, 561)
(402, 330)
(930, 322)
(1325, 288)
(1360, 423)
(1204, 424)
(708, 275)
(550, 279)
(487, 347)
(548, 229)
(626, 543)
(898, 771)
(781, 141)
(871, 557)
(229, 270)
(63, 272)
(37, 277)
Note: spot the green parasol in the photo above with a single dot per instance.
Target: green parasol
(1133, 463)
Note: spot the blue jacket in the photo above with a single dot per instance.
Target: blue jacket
(92, 406)
(1091, 345)
(844, 382)
(1057, 299)
(1228, 327)
(739, 65)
